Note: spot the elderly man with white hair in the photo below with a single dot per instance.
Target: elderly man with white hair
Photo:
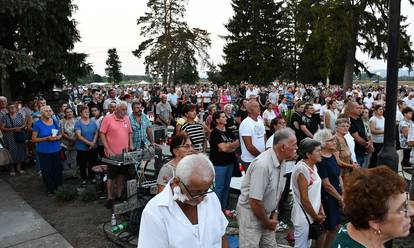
(116, 136)
(163, 111)
(261, 191)
(186, 213)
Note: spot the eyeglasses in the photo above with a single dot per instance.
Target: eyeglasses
(198, 195)
(186, 146)
(406, 206)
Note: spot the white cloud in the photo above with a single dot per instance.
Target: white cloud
(104, 24)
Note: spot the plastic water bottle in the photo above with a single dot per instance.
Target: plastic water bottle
(120, 227)
(113, 220)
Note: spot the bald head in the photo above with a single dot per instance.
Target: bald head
(253, 108)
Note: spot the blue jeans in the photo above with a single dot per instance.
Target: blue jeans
(222, 183)
(360, 160)
(51, 167)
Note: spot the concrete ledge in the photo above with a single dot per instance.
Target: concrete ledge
(22, 226)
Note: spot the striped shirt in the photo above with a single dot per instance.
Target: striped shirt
(196, 133)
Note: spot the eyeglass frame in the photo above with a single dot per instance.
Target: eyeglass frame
(197, 196)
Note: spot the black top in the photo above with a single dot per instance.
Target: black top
(86, 99)
(217, 157)
(263, 99)
(298, 118)
(242, 91)
(311, 123)
(193, 99)
(241, 113)
(329, 168)
(99, 105)
(357, 126)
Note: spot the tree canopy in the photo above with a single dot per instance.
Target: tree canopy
(114, 66)
(36, 46)
(171, 47)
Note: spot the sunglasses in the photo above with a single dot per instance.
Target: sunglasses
(195, 196)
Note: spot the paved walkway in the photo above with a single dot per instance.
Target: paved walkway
(21, 226)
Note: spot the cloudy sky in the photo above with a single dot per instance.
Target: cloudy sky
(105, 24)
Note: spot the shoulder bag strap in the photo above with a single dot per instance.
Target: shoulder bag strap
(306, 216)
(11, 121)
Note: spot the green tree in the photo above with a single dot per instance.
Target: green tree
(114, 66)
(36, 46)
(171, 47)
(253, 49)
(362, 25)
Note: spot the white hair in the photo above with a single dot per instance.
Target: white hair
(3, 98)
(228, 106)
(195, 164)
(322, 135)
(121, 103)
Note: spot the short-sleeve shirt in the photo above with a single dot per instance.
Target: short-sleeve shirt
(139, 130)
(163, 110)
(329, 168)
(255, 130)
(311, 123)
(264, 181)
(380, 125)
(404, 124)
(87, 131)
(357, 126)
(117, 132)
(216, 156)
(343, 240)
(196, 133)
(167, 172)
(44, 130)
(297, 117)
(242, 114)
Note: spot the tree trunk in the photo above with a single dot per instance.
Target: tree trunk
(5, 87)
(349, 65)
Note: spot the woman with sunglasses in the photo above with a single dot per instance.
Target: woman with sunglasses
(385, 216)
(180, 147)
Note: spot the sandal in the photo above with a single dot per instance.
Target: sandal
(12, 174)
(83, 184)
(22, 171)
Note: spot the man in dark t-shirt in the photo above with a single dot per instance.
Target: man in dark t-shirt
(362, 144)
(310, 121)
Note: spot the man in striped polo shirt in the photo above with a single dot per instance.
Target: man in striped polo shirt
(194, 130)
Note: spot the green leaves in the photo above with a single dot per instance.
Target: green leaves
(171, 47)
(114, 66)
(36, 39)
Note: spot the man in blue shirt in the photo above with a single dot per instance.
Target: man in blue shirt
(141, 127)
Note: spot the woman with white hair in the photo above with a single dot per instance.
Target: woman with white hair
(331, 194)
(46, 133)
(231, 124)
(186, 213)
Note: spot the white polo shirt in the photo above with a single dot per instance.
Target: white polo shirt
(164, 224)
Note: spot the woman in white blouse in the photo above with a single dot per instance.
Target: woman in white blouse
(306, 185)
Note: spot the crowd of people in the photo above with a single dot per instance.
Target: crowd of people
(314, 141)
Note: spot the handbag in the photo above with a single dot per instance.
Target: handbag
(315, 229)
(19, 137)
